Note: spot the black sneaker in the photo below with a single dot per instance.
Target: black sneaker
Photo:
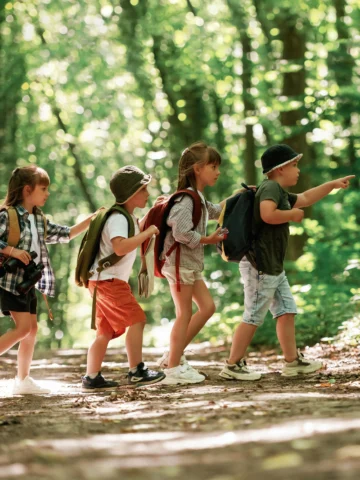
(144, 376)
(98, 382)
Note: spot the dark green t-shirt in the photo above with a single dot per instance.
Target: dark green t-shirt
(269, 249)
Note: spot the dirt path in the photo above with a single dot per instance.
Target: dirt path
(275, 428)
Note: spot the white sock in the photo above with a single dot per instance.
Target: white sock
(92, 375)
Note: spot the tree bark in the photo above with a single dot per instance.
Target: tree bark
(241, 21)
(343, 65)
(294, 48)
(12, 76)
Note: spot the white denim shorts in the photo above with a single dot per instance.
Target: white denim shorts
(187, 276)
(263, 292)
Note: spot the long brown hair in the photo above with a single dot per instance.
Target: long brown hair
(198, 153)
(31, 175)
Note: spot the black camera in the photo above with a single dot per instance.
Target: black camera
(32, 272)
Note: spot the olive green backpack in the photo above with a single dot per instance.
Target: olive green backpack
(89, 248)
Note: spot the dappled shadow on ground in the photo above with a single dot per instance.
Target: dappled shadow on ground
(308, 427)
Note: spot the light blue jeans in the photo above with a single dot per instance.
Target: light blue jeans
(265, 292)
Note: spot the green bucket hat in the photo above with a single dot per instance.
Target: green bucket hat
(127, 181)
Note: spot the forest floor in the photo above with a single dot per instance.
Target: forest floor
(275, 428)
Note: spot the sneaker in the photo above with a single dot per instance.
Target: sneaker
(183, 375)
(187, 365)
(164, 360)
(144, 376)
(97, 383)
(238, 371)
(300, 365)
(28, 386)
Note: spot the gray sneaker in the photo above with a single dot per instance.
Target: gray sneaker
(300, 365)
(238, 371)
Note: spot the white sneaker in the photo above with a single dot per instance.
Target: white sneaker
(187, 365)
(182, 375)
(28, 386)
(238, 371)
(300, 365)
(164, 360)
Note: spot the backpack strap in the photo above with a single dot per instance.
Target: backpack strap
(14, 226)
(110, 259)
(196, 216)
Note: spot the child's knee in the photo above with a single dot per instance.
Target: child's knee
(139, 326)
(208, 310)
(23, 331)
(184, 311)
(33, 330)
(103, 337)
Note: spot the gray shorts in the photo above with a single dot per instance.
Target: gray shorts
(265, 292)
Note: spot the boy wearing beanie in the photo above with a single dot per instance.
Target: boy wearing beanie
(116, 307)
(265, 284)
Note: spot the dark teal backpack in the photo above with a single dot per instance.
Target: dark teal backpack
(237, 217)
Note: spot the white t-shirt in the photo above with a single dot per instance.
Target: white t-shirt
(35, 244)
(116, 226)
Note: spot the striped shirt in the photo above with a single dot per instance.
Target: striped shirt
(54, 234)
(183, 231)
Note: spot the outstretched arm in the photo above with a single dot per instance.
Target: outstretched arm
(315, 194)
(75, 230)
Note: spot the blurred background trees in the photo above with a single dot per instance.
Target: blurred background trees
(89, 86)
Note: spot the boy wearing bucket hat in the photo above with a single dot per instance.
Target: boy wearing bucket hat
(116, 308)
(265, 284)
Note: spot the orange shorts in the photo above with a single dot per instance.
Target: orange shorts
(116, 307)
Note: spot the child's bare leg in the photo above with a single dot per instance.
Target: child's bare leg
(96, 353)
(22, 329)
(183, 307)
(26, 349)
(242, 339)
(206, 306)
(285, 329)
(134, 343)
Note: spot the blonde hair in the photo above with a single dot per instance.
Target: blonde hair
(21, 177)
(198, 153)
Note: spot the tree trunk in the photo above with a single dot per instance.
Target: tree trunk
(12, 76)
(343, 64)
(240, 20)
(294, 48)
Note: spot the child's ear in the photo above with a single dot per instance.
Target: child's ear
(26, 191)
(196, 168)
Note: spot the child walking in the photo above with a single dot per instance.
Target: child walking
(198, 168)
(116, 306)
(28, 190)
(265, 284)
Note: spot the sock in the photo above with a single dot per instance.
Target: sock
(92, 375)
(133, 370)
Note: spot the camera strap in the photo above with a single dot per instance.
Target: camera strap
(51, 316)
